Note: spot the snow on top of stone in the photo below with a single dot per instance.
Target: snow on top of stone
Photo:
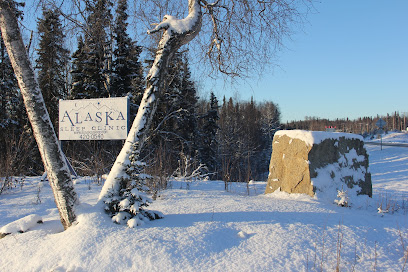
(315, 137)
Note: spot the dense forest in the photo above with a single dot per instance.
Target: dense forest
(226, 139)
(219, 138)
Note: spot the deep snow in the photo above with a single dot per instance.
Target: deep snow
(208, 229)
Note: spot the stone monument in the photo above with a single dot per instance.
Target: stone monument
(319, 163)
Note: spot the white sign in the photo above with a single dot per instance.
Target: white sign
(380, 123)
(93, 119)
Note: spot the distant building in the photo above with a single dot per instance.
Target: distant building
(330, 128)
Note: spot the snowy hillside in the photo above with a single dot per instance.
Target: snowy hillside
(208, 229)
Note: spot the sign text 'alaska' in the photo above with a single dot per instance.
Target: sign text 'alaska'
(93, 119)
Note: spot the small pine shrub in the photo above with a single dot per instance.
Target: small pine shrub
(343, 200)
(129, 206)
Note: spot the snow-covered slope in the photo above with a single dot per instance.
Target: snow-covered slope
(394, 138)
(208, 229)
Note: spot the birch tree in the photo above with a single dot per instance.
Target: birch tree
(51, 154)
(177, 32)
(242, 33)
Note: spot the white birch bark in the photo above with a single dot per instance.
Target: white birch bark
(176, 33)
(51, 154)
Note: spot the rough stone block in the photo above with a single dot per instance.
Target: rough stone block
(318, 164)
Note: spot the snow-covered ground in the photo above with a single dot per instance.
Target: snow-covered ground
(208, 229)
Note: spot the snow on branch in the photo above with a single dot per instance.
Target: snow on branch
(180, 26)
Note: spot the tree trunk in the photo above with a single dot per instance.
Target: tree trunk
(176, 33)
(51, 154)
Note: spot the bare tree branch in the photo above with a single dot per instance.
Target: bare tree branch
(238, 37)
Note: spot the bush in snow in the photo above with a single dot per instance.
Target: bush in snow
(189, 171)
(382, 211)
(343, 198)
(129, 206)
(387, 204)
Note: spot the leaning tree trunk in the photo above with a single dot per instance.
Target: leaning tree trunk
(51, 153)
(176, 33)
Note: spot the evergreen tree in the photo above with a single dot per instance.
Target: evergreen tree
(78, 71)
(9, 90)
(186, 99)
(8, 87)
(18, 153)
(175, 122)
(95, 56)
(51, 63)
(130, 207)
(208, 131)
(229, 141)
(244, 138)
(99, 49)
(270, 119)
(92, 75)
(252, 141)
(8, 99)
(128, 73)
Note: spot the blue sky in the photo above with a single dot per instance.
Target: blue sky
(351, 60)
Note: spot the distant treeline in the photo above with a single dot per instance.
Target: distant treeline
(362, 125)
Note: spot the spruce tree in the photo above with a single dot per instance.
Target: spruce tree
(99, 49)
(9, 90)
(127, 69)
(92, 75)
(130, 206)
(209, 128)
(51, 62)
(95, 54)
(78, 71)
(186, 99)
(8, 87)
(175, 121)
(18, 153)
(8, 98)
(252, 141)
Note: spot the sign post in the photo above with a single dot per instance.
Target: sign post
(380, 124)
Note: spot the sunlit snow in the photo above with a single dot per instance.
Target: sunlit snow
(206, 228)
